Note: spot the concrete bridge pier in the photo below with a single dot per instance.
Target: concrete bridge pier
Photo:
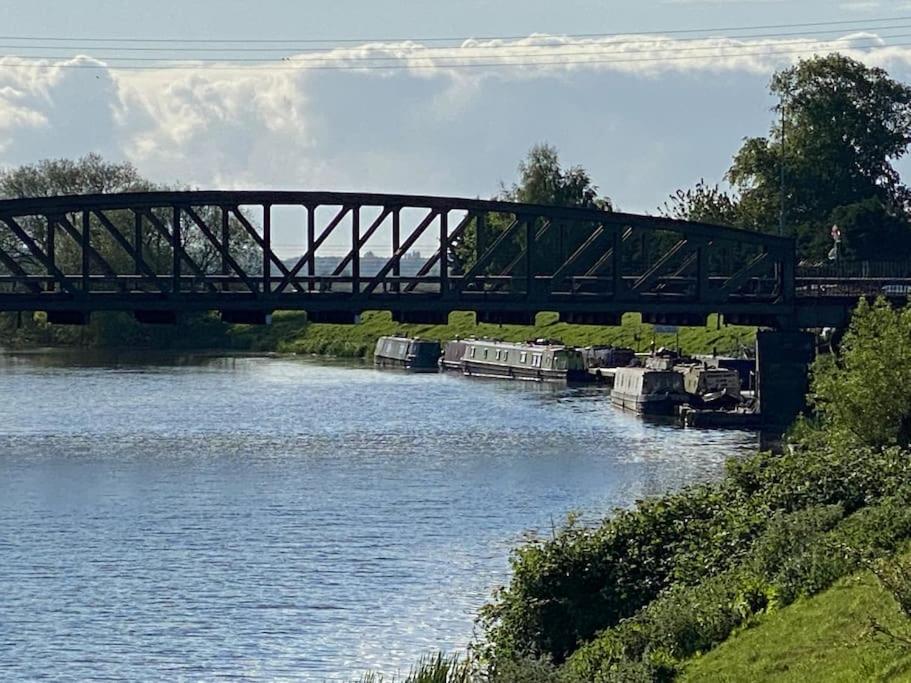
(782, 382)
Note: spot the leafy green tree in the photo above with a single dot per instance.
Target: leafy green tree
(89, 175)
(844, 126)
(863, 395)
(93, 175)
(703, 203)
(542, 180)
(870, 230)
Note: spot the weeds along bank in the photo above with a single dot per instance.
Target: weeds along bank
(292, 333)
(651, 590)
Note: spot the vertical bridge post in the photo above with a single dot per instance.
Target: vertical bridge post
(396, 245)
(52, 262)
(267, 249)
(86, 267)
(175, 252)
(444, 253)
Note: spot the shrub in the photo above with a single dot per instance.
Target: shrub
(798, 555)
(565, 590)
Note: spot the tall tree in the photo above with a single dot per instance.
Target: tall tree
(92, 174)
(843, 126)
(703, 203)
(542, 180)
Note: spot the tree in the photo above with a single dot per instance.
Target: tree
(845, 125)
(863, 396)
(705, 204)
(53, 177)
(542, 180)
(93, 175)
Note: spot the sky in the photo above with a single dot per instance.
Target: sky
(648, 96)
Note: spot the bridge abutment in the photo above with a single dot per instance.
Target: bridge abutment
(782, 365)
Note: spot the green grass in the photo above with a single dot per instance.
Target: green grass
(290, 332)
(824, 638)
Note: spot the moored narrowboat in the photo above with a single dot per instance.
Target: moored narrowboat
(453, 353)
(416, 355)
(542, 361)
(710, 384)
(648, 391)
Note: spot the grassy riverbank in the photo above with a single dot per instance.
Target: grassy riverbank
(291, 332)
(823, 638)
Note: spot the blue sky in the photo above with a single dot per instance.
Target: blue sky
(411, 18)
(661, 111)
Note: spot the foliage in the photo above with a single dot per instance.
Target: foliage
(799, 555)
(542, 180)
(864, 394)
(567, 589)
(894, 574)
(290, 332)
(703, 203)
(870, 230)
(845, 125)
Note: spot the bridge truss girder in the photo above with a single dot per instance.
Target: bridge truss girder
(168, 252)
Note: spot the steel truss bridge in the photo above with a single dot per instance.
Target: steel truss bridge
(158, 254)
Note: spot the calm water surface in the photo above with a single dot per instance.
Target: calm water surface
(279, 518)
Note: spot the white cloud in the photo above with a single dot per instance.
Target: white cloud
(646, 114)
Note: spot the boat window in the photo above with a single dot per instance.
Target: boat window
(472, 352)
(523, 357)
(485, 353)
(549, 363)
(536, 360)
(506, 355)
(498, 354)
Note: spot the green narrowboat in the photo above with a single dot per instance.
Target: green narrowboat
(542, 360)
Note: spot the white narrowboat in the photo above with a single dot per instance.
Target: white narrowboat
(648, 391)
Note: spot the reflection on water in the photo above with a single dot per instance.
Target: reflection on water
(168, 517)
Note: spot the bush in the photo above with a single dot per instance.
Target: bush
(864, 396)
(798, 555)
(565, 590)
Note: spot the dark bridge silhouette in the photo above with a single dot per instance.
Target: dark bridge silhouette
(161, 253)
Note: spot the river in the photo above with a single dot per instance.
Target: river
(195, 517)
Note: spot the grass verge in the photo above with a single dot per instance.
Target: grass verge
(823, 638)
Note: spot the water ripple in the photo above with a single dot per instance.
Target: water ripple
(280, 519)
